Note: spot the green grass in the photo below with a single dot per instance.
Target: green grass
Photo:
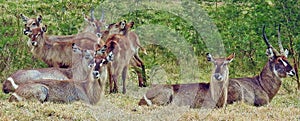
(64, 18)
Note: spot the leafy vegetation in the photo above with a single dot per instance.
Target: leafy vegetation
(176, 52)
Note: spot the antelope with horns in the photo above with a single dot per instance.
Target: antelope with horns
(260, 90)
(55, 53)
(78, 71)
(67, 91)
(195, 95)
(120, 28)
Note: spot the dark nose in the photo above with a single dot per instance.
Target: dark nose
(292, 73)
(34, 43)
(6, 91)
(96, 74)
(99, 35)
(218, 76)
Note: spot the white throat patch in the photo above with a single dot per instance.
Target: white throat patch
(147, 100)
(11, 80)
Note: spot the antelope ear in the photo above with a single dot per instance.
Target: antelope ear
(76, 49)
(110, 26)
(209, 57)
(123, 24)
(24, 18)
(270, 53)
(39, 19)
(286, 53)
(96, 46)
(27, 31)
(110, 57)
(85, 17)
(44, 28)
(230, 57)
(131, 24)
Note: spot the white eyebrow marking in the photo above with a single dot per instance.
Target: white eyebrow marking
(12, 82)
(284, 63)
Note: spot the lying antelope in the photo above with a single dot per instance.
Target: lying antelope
(260, 90)
(78, 71)
(66, 91)
(195, 95)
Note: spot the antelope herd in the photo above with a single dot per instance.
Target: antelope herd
(80, 64)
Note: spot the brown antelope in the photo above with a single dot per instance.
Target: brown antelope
(85, 40)
(67, 91)
(195, 95)
(31, 22)
(123, 29)
(119, 28)
(78, 71)
(94, 25)
(260, 90)
(120, 46)
(55, 53)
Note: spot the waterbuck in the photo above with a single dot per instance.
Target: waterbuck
(31, 22)
(123, 29)
(260, 90)
(116, 28)
(66, 91)
(55, 53)
(120, 46)
(78, 71)
(195, 95)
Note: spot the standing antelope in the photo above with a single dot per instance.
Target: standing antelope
(120, 46)
(123, 29)
(195, 95)
(66, 91)
(260, 90)
(86, 40)
(119, 28)
(78, 71)
(55, 53)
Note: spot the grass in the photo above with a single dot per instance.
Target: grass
(124, 107)
(65, 18)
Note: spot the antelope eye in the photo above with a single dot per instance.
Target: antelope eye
(33, 24)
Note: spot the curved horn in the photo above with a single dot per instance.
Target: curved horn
(265, 37)
(92, 14)
(102, 16)
(279, 41)
(267, 42)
